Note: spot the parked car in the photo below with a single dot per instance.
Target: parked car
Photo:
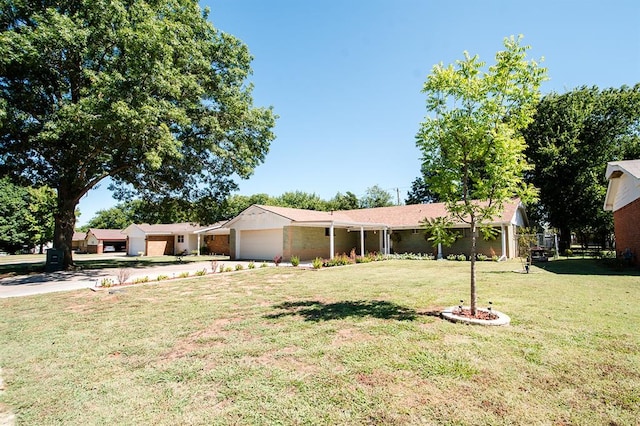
(109, 249)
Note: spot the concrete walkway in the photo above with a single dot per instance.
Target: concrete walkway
(49, 282)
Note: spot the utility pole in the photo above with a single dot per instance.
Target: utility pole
(398, 194)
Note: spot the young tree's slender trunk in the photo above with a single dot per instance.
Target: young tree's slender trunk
(474, 297)
(65, 222)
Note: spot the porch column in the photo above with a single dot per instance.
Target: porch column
(198, 244)
(504, 241)
(362, 241)
(331, 242)
(385, 241)
(439, 250)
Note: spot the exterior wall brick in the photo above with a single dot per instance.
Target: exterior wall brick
(217, 244)
(411, 242)
(309, 242)
(627, 229)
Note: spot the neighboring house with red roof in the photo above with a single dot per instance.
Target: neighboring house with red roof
(264, 232)
(79, 242)
(623, 199)
(105, 240)
(176, 238)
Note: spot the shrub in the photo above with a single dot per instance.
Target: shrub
(140, 280)
(239, 267)
(162, 277)
(339, 260)
(481, 257)
(183, 274)
(409, 256)
(461, 257)
(452, 257)
(317, 263)
(228, 269)
(123, 275)
(277, 260)
(251, 265)
(568, 252)
(106, 282)
(495, 258)
(201, 272)
(263, 265)
(295, 261)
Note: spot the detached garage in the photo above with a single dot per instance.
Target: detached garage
(105, 240)
(173, 238)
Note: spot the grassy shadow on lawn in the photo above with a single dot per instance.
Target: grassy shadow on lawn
(573, 266)
(28, 268)
(313, 310)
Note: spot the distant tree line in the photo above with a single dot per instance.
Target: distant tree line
(171, 210)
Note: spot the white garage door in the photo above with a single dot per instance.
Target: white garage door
(135, 245)
(260, 245)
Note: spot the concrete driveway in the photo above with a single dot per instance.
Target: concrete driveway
(49, 282)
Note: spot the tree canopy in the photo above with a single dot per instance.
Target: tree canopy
(26, 216)
(148, 93)
(420, 192)
(570, 141)
(472, 143)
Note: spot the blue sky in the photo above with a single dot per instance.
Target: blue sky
(345, 76)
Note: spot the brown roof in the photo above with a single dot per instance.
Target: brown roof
(108, 234)
(79, 236)
(302, 215)
(395, 216)
(168, 228)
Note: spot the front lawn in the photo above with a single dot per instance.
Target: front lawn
(348, 345)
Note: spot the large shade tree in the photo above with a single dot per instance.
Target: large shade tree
(471, 142)
(147, 93)
(570, 141)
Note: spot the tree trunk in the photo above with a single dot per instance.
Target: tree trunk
(65, 222)
(565, 239)
(474, 296)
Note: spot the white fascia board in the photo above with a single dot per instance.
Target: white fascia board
(348, 225)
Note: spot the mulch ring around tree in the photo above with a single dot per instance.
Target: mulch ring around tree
(482, 317)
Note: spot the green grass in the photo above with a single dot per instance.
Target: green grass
(348, 345)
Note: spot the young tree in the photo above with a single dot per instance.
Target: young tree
(147, 93)
(472, 144)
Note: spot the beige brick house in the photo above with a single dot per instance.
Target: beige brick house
(264, 232)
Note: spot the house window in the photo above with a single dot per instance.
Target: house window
(416, 231)
(180, 238)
